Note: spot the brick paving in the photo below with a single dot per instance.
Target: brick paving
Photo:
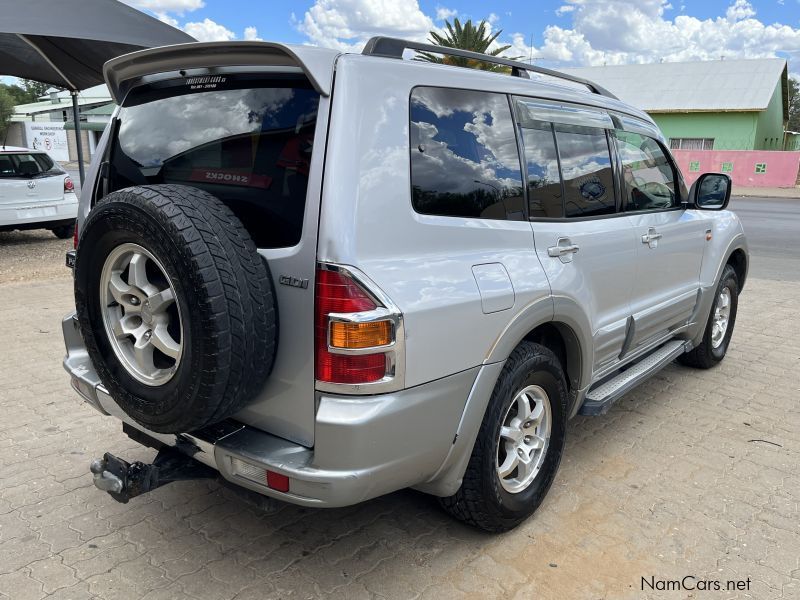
(674, 481)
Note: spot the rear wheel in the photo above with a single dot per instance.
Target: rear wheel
(63, 232)
(719, 328)
(519, 445)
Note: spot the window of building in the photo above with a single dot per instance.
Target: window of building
(691, 143)
(586, 170)
(647, 172)
(464, 157)
(541, 162)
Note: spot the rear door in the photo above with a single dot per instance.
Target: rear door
(582, 240)
(669, 240)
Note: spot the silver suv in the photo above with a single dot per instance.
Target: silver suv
(328, 276)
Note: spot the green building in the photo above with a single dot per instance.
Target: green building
(708, 105)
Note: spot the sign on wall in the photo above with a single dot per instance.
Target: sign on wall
(49, 137)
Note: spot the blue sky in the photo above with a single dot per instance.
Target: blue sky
(565, 32)
(277, 20)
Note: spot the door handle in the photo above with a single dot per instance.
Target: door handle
(563, 250)
(651, 237)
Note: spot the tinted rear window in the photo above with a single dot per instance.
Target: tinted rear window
(31, 164)
(247, 141)
(464, 158)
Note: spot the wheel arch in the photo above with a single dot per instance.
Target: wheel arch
(738, 260)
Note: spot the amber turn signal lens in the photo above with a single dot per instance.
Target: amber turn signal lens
(361, 335)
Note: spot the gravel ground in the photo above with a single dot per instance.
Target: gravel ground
(32, 255)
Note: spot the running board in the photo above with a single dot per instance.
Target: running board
(600, 399)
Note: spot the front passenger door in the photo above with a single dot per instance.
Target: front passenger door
(669, 240)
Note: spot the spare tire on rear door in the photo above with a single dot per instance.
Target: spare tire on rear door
(175, 305)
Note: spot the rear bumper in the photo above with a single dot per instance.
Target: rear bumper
(26, 214)
(364, 447)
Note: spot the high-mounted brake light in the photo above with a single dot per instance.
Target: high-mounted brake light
(336, 293)
(69, 187)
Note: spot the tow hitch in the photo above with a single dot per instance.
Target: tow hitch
(123, 480)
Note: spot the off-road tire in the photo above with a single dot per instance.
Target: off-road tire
(481, 501)
(704, 355)
(223, 289)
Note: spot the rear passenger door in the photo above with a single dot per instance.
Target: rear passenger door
(583, 241)
(669, 240)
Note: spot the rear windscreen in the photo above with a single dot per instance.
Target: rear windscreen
(31, 164)
(245, 140)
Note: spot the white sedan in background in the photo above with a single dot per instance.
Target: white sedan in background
(35, 193)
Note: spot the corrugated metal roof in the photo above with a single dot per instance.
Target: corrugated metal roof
(104, 110)
(714, 85)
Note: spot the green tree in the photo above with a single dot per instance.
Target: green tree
(466, 37)
(35, 89)
(19, 95)
(794, 105)
(6, 110)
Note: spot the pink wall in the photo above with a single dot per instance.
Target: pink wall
(780, 167)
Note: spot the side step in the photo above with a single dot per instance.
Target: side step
(600, 399)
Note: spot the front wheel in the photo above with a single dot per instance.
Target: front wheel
(719, 328)
(519, 445)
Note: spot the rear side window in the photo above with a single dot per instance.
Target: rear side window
(587, 171)
(245, 140)
(648, 174)
(464, 158)
(544, 182)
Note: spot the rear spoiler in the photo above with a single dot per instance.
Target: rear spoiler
(126, 71)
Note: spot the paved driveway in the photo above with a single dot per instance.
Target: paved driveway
(695, 473)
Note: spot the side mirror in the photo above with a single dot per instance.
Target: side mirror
(711, 191)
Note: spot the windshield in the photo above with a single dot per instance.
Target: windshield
(248, 142)
(27, 165)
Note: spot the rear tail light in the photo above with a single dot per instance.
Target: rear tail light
(75, 236)
(354, 333)
(69, 187)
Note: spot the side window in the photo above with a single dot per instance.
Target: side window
(587, 171)
(464, 158)
(648, 174)
(541, 162)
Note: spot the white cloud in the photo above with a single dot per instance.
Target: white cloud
(444, 14)
(208, 31)
(742, 9)
(617, 32)
(492, 19)
(164, 6)
(251, 34)
(348, 24)
(564, 10)
(165, 18)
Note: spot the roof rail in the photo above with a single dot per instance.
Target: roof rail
(389, 47)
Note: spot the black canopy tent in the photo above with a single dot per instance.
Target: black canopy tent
(66, 43)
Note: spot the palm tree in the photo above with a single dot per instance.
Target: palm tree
(466, 37)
